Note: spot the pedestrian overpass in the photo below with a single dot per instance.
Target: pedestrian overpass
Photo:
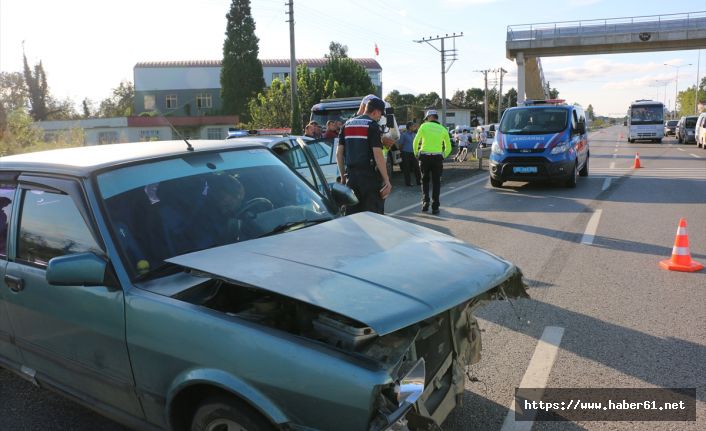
(526, 43)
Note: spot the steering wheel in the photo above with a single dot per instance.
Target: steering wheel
(265, 203)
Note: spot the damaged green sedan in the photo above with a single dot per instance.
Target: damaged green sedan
(215, 287)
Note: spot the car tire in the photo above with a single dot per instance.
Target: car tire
(680, 140)
(630, 141)
(572, 180)
(495, 183)
(584, 171)
(223, 413)
(659, 141)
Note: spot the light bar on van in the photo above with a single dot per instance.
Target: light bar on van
(531, 102)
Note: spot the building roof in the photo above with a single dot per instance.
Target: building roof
(368, 63)
(82, 161)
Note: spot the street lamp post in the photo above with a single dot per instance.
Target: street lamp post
(676, 86)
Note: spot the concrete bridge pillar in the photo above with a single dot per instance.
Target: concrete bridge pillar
(520, 59)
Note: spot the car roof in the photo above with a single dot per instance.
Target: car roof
(81, 161)
(267, 140)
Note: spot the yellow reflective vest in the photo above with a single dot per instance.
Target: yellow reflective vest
(432, 138)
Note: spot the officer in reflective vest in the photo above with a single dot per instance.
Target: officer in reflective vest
(360, 159)
(431, 146)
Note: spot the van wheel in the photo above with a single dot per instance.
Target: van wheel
(630, 141)
(226, 414)
(495, 183)
(571, 182)
(584, 171)
(680, 140)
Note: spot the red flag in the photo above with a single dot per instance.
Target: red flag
(377, 51)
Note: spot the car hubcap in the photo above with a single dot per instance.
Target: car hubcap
(225, 425)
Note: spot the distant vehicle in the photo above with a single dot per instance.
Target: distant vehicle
(686, 130)
(541, 140)
(700, 131)
(345, 108)
(646, 121)
(670, 127)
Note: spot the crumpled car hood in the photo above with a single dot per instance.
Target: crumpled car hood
(383, 272)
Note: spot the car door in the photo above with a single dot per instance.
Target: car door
(9, 354)
(71, 337)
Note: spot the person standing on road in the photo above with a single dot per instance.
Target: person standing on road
(462, 138)
(409, 162)
(360, 159)
(431, 146)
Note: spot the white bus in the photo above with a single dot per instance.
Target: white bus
(646, 121)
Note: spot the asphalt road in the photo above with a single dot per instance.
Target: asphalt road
(626, 322)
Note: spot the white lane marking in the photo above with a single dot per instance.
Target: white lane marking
(448, 192)
(694, 155)
(537, 374)
(612, 165)
(590, 234)
(681, 149)
(615, 150)
(606, 184)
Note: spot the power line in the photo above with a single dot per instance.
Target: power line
(446, 54)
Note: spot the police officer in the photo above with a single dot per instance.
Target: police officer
(360, 159)
(431, 146)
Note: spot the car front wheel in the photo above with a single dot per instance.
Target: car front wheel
(495, 183)
(573, 179)
(584, 171)
(225, 414)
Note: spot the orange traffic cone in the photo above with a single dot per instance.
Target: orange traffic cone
(681, 257)
(636, 165)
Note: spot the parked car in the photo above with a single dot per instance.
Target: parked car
(670, 127)
(207, 284)
(540, 141)
(685, 130)
(700, 131)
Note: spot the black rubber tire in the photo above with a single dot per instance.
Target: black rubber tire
(495, 183)
(584, 171)
(572, 180)
(630, 141)
(680, 140)
(222, 408)
(659, 141)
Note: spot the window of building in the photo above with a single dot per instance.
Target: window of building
(149, 102)
(203, 101)
(374, 77)
(7, 195)
(450, 114)
(214, 133)
(107, 138)
(51, 226)
(280, 75)
(171, 101)
(149, 135)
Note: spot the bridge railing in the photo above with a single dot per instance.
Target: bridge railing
(693, 21)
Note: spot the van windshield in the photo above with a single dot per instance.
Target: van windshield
(325, 115)
(534, 121)
(690, 122)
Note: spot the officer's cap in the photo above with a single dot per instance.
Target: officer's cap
(430, 113)
(376, 103)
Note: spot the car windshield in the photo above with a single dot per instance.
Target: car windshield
(164, 208)
(690, 122)
(324, 115)
(534, 121)
(672, 123)
(647, 114)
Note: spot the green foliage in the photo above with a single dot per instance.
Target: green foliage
(273, 108)
(120, 103)
(37, 90)
(685, 99)
(589, 112)
(336, 50)
(22, 136)
(241, 74)
(346, 78)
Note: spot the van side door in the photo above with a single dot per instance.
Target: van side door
(70, 337)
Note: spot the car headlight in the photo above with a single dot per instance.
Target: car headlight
(410, 387)
(561, 148)
(495, 148)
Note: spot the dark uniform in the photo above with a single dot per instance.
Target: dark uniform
(358, 137)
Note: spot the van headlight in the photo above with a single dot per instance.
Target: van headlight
(495, 149)
(561, 148)
(410, 387)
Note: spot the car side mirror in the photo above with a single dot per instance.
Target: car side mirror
(80, 269)
(343, 195)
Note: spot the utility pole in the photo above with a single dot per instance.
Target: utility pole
(296, 119)
(485, 94)
(446, 54)
(502, 72)
(696, 92)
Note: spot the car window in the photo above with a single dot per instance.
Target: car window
(51, 226)
(7, 195)
(322, 150)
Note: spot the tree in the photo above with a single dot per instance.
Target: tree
(685, 99)
(589, 112)
(87, 106)
(120, 103)
(37, 90)
(336, 50)
(553, 92)
(273, 108)
(510, 98)
(13, 96)
(241, 74)
(346, 78)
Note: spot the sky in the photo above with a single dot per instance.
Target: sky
(87, 47)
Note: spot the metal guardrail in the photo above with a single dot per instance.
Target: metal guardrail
(611, 26)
